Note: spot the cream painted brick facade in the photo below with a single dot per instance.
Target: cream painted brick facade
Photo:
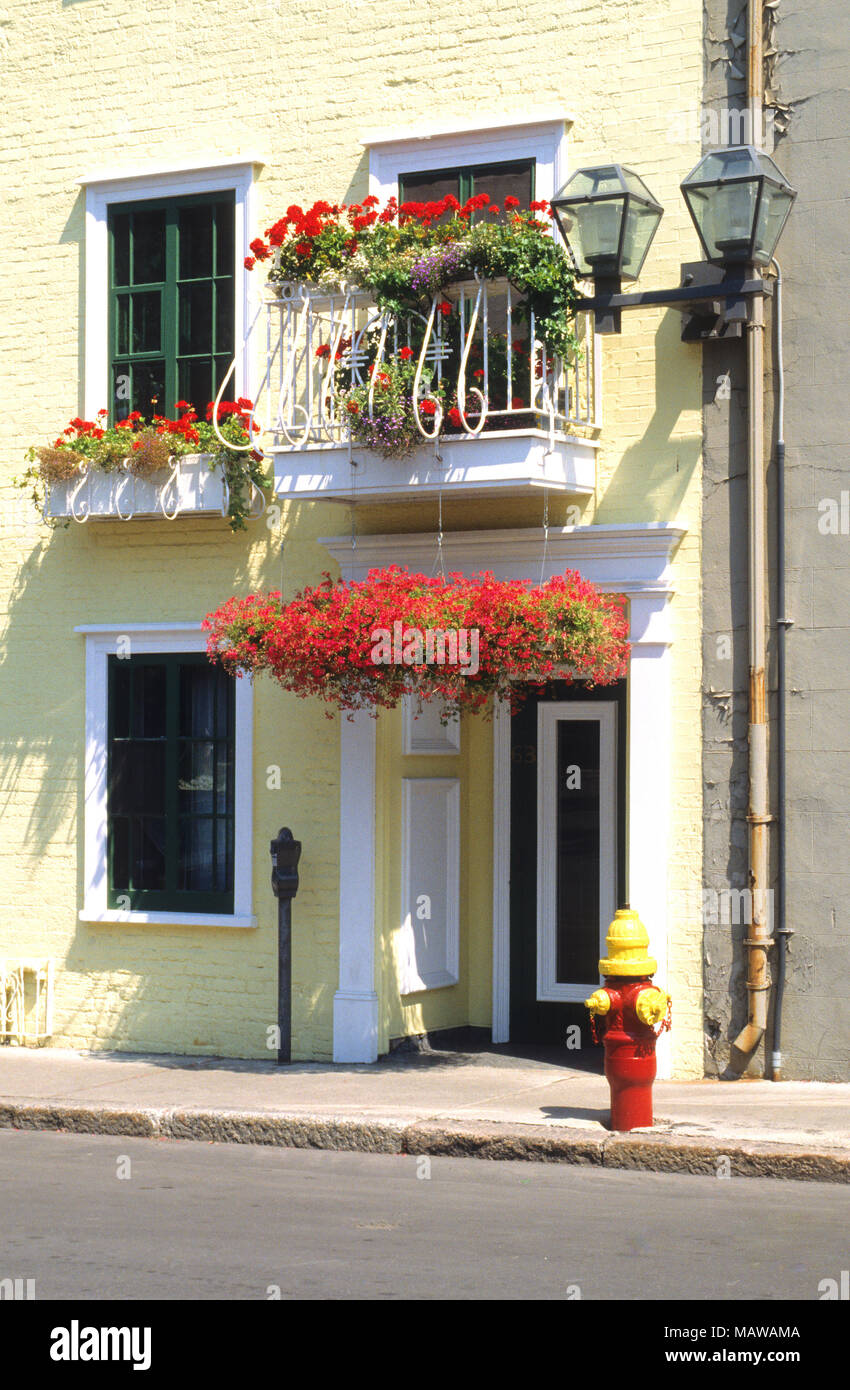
(116, 85)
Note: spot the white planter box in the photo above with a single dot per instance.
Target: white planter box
(509, 462)
(193, 488)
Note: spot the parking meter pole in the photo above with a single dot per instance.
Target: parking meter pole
(285, 853)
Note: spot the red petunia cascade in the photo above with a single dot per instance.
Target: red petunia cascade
(323, 643)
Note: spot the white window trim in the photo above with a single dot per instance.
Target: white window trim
(549, 715)
(541, 137)
(217, 176)
(101, 642)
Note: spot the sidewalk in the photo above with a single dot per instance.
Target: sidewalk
(487, 1104)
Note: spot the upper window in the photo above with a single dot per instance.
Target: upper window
(514, 179)
(170, 784)
(171, 301)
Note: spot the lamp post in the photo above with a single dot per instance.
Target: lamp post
(608, 218)
(739, 202)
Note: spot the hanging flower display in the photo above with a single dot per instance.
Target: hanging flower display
(363, 645)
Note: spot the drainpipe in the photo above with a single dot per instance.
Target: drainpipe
(758, 940)
(783, 931)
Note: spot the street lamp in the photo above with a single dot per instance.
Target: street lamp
(607, 217)
(739, 201)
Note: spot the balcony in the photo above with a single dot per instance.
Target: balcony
(522, 420)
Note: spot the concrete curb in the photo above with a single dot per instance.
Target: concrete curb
(650, 1152)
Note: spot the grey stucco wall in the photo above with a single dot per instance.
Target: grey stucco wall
(808, 78)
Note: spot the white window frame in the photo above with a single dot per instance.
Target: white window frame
(541, 136)
(549, 715)
(101, 643)
(104, 188)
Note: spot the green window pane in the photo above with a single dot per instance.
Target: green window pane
(224, 247)
(195, 302)
(121, 249)
(184, 247)
(224, 318)
(149, 246)
(122, 324)
(170, 796)
(198, 686)
(147, 863)
(148, 388)
(194, 382)
(195, 778)
(430, 187)
(223, 854)
(224, 779)
(120, 710)
(197, 868)
(147, 322)
(500, 183)
(149, 692)
(195, 236)
(138, 778)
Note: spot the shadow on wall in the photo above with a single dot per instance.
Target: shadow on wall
(654, 474)
(158, 988)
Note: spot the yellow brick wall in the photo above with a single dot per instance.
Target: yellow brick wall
(110, 84)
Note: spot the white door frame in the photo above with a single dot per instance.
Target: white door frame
(633, 560)
(549, 715)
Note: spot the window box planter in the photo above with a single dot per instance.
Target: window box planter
(191, 487)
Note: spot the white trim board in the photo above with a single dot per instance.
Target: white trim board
(490, 140)
(220, 176)
(548, 717)
(101, 642)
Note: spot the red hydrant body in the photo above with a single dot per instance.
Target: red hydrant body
(626, 1011)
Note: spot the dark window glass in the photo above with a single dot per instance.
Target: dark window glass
(497, 180)
(516, 181)
(578, 850)
(170, 798)
(147, 322)
(121, 249)
(195, 233)
(174, 342)
(148, 246)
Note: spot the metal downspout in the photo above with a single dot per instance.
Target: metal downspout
(758, 940)
(782, 624)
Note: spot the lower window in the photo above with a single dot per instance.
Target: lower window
(170, 784)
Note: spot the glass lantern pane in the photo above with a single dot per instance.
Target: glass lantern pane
(774, 208)
(596, 232)
(724, 216)
(641, 224)
(594, 183)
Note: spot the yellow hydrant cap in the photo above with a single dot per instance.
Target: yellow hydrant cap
(627, 944)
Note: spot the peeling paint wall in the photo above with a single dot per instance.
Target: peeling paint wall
(807, 60)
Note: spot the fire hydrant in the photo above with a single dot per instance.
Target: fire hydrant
(629, 1007)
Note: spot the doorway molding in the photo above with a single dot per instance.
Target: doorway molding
(633, 560)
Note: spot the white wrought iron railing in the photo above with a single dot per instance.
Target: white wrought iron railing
(484, 362)
(26, 1000)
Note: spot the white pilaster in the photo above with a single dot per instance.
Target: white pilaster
(356, 1000)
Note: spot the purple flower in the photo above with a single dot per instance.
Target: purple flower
(439, 267)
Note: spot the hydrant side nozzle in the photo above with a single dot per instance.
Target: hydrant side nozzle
(651, 1005)
(599, 1002)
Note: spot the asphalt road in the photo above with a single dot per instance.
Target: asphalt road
(222, 1221)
